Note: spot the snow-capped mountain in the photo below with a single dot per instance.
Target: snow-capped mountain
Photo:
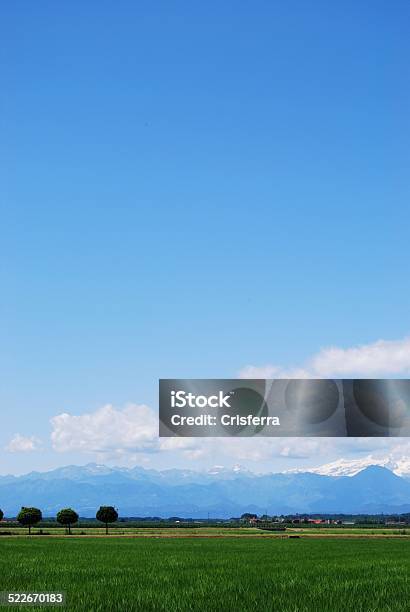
(221, 492)
(351, 467)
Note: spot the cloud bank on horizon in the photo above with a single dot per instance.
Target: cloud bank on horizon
(129, 435)
(384, 358)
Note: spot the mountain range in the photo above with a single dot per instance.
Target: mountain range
(350, 467)
(218, 492)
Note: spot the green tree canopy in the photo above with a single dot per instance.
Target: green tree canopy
(248, 515)
(106, 514)
(67, 516)
(29, 517)
(1, 514)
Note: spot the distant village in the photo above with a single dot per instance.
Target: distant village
(260, 521)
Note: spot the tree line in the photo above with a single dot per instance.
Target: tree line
(28, 517)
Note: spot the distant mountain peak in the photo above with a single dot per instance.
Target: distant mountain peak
(400, 466)
(376, 470)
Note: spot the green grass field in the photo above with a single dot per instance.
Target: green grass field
(214, 531)
(212, 574)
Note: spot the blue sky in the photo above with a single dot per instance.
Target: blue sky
(190, 189)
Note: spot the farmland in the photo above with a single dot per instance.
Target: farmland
(240, 532)
(233, 573)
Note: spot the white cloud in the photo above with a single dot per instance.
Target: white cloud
(378, 359)
(130, 434)
(111, 433)
(108, 430)
(122, 433)
(266, 449)
(23, 444)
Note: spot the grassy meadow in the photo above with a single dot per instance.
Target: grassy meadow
(170, 574)
(184, 531)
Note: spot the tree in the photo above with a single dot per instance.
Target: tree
(248, 515)
(29, 517)
(1, 514)
(67, 517)
(106, 514)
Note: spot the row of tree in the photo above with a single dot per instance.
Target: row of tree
(67, 517)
